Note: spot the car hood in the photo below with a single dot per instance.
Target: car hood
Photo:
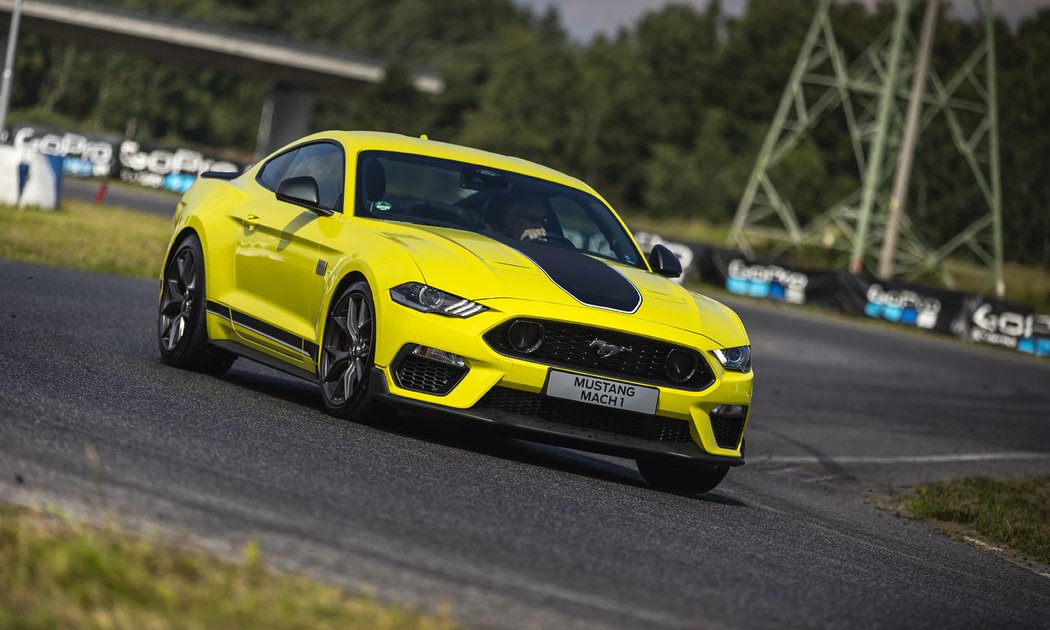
(478, 267)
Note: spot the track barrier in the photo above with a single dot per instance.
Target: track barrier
(966, 315)
(29, 178)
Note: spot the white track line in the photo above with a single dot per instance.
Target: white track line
(1029, 566)
(982, 544)
(902, 459)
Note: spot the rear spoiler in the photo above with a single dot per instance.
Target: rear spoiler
(220, 175)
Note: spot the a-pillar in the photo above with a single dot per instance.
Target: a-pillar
(286, 116)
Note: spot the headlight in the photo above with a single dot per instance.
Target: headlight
(735, 359)
(431, 300)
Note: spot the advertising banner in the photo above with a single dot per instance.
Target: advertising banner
(923, 307)
(969, 316)
(986, 320)
(163, 167)
(83, 155)
(775, 281)
(94, 155)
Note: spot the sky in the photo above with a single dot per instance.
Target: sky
(585, 18)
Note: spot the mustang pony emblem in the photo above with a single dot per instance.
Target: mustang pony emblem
(606, 349)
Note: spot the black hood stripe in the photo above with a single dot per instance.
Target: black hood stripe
(586, 279)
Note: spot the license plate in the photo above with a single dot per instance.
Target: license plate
(602, 392)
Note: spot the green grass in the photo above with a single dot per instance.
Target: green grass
(685, 229)
(58, 574)
(1013, 513)
(85, 236)
(1026, 285)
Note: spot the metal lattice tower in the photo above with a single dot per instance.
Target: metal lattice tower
(872, 93)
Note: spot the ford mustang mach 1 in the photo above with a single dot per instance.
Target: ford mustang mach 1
(402, 273)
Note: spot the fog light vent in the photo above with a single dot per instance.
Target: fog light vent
(438, 355)
(681, 365)
(736, 411)
(525, 336)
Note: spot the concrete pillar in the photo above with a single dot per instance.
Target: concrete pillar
(286, 116)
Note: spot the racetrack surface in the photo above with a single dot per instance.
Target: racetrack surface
(513, 534)
(159, 202)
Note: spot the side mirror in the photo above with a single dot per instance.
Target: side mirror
(301, 191)
(664, 262)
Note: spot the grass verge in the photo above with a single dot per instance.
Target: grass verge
(85, 236)
(1013, 513)
(686, 229)
(58, 574)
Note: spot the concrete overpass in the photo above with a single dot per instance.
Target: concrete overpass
(298, 70)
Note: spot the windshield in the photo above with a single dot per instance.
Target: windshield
(500, 204)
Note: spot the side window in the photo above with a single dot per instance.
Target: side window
(273, 171)
(324, 162)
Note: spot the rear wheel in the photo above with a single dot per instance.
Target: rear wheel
(348, 354)
(678, 476)
(182, 333)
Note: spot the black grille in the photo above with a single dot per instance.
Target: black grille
(727, 430)
(424, 375)
(569, 345)
(584, 416)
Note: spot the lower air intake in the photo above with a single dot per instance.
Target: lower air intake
(727, 430)
(584, 416)
(425, 375)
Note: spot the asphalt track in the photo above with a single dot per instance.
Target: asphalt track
(512, 534)
(158, 202)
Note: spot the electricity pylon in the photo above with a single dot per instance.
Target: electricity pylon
(872, 92)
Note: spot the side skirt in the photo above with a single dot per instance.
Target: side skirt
(265, 359)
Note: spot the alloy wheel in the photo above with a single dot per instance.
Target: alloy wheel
(179, 298)
(347, 348)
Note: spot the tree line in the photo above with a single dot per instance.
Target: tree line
(665, 117)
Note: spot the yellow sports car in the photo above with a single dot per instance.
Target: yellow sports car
(404, 273)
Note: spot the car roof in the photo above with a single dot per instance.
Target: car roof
(383, 141)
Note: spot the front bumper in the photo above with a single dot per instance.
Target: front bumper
(489, 371)
(555, 433)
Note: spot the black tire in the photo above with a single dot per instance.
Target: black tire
(681, 476)
(348, 354)
(182, 331)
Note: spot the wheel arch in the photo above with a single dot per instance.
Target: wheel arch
(175, 242)
(348, 278)
(191, 227)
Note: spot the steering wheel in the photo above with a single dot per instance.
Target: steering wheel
(558, 239)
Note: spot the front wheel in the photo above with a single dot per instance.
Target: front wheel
(182, 332)
(348, 354)
(680, 476)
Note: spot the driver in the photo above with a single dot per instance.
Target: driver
(525, 219)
